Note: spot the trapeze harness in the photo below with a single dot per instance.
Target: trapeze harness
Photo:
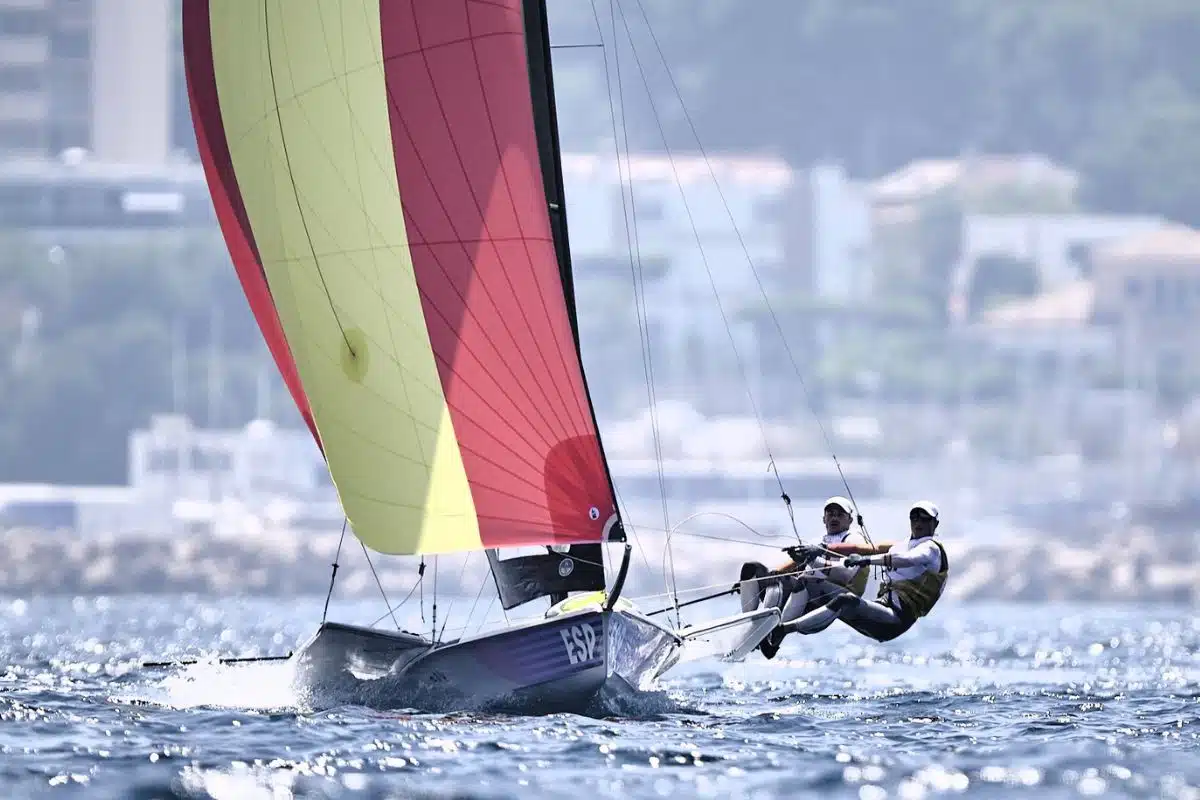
(905, 600)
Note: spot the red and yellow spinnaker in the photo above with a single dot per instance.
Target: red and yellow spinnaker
(375, 171)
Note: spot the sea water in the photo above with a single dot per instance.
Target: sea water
(977, 700)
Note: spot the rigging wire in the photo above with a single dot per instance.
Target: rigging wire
(400, 605)
(695, 229)
(754, 271)
(333, 577)
(672, 531)
(704, 259)
(633, 244)
(482, 585)
(459, 583)
(379, 583)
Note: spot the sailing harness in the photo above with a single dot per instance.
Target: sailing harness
(915, 597)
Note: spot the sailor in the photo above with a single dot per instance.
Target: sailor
(914, 575)
(812, 578)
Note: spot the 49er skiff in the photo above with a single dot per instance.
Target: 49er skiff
(387, 178)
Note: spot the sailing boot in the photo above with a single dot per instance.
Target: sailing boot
(769, 646)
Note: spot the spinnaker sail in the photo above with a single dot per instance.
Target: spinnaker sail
(381, 184)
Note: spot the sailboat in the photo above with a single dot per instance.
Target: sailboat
(387, 178)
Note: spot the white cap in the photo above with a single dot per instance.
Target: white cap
(925, 505)
(840, 502)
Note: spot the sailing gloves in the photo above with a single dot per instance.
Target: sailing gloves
(804, 552)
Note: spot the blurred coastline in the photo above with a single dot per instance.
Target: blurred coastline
(1115, 567)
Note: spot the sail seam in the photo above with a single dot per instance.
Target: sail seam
(559, 421)
(292, 178)
(404, 378)
(449, 365)
(253, 124)
(419, 332)
(562, 358)
(410, 221)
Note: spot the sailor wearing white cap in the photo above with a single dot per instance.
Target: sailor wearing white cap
(915, 573)
(794, 591)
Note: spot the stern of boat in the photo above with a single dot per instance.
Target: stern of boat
(640, 650)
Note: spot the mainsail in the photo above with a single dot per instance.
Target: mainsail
(386, 193)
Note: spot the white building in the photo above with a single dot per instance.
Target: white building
(183, 478)
(78, 196)
(96, 74)
(670, 202)
(255, 464)
(841, 235)
(1049, 241)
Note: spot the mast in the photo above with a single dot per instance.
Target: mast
(545, 124)
(554, 574)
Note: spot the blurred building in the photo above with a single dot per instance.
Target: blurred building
(1107, 357)
(1057, 245)
(646, 217)
(1020, 182)
(76, 196)
(102, 75)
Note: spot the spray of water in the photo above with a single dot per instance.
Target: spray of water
(251, 687)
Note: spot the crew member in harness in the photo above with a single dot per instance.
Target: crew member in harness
(811, 579)
(914, 575)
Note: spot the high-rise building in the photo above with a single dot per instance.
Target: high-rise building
(102, 75)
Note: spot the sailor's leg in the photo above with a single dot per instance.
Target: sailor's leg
(807, 611)
(807, 593)
(797, 602)
(818, 588)
(876, 620)
(760, 589)
(753, 588)
(816, 620)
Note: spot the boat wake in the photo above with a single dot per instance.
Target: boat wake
(272, 688)
(209, 684)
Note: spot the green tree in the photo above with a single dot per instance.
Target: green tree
(997, 278)
(875, 83)
(1158, 130)
(71, 407)
(98, 362)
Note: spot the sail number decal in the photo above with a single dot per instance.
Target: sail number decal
(580, 643)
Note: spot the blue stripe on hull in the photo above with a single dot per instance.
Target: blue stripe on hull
(544, 652)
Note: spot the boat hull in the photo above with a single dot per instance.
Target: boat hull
(560, 663)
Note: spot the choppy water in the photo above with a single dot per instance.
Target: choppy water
(990, 701)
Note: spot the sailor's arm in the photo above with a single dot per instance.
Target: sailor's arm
(790, 566)
(851, 549)
(917, 557)
(835, 569)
